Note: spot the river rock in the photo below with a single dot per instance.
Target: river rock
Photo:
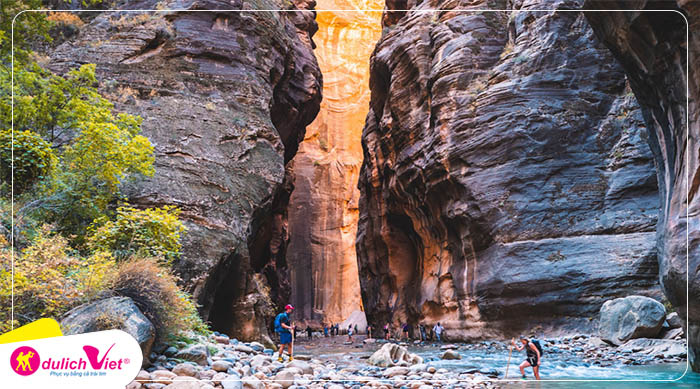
(395, 371)
(185, 382)
(196, 353)
(259, 361)
(221, 366)
(285, 378)
(673, 320)
(391, 354)
(655, 347)
(653, 52)
(257, 346)
(219, 377)
(162, 376)
(121, 311)
(450, 354)
(506, 168)
(232, 383)
(185, 369)
(303, 366)
(225, 97)
(252, 383)
(244, 349)
(630, 317)
(672, 333)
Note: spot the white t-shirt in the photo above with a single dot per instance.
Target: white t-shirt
(438, 329)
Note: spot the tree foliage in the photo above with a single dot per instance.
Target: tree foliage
(34, 159)
(153, 232)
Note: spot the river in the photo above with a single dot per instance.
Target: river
(565, 368)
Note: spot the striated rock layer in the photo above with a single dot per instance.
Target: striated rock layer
(225, 98)
(653, 50)
(323, 210)
(507, 185)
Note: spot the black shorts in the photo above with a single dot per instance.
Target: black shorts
(532, 360)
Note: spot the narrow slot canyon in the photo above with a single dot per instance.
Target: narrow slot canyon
(323, 208)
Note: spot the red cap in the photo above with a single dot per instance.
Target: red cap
(289, 306)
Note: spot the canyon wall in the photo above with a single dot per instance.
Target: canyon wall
(653, 49)
(225, 98)
(507, 184)
(323, 209)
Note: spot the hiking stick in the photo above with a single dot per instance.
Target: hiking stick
(509, 354)
(291, 354)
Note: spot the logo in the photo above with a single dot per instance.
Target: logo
(105, 359)
(25, 361)
(93, 352)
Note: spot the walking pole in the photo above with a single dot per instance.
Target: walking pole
(509, 354)
(291, 355)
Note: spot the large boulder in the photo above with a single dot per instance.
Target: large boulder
(392, 354)
(119, 313)
(630, 317)
(356, 319)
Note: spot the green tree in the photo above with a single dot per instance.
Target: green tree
(153, 232)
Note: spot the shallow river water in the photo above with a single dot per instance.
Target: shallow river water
(555, 366)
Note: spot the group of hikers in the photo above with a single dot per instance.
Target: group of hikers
(434, 333)
(285, 330)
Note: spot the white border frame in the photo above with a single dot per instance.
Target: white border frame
(687, 133)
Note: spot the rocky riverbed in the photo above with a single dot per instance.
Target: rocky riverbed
(331, 363)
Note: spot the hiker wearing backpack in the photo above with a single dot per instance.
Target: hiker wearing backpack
(284, 329)
(533, 350)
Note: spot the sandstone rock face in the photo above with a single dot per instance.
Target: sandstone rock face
(225, 98)
(507, 184)
(119, 313)
(323, 209)
(652, 48)
(630, 317)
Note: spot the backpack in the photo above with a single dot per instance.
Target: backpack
(537, 344)
(278, 324)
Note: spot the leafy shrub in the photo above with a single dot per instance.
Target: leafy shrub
(154, 290)
(50, 279)
(153, 232)
(97, 149)
(33, 158)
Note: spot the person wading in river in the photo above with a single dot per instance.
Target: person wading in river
(533, 356)
(284, 329)
(438, 328)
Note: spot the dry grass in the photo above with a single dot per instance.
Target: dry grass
(65, 18)
(154, 290)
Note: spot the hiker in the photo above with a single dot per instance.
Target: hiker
(369, 332)
(438, 331)
(325, 330)
(283, 328)
(309, 332)
(387, 331)
(421, 329)
(405, 331)
(356, 331)
(350, 332)
(533, 354)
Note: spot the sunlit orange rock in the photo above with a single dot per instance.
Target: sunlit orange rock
(323, 211)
